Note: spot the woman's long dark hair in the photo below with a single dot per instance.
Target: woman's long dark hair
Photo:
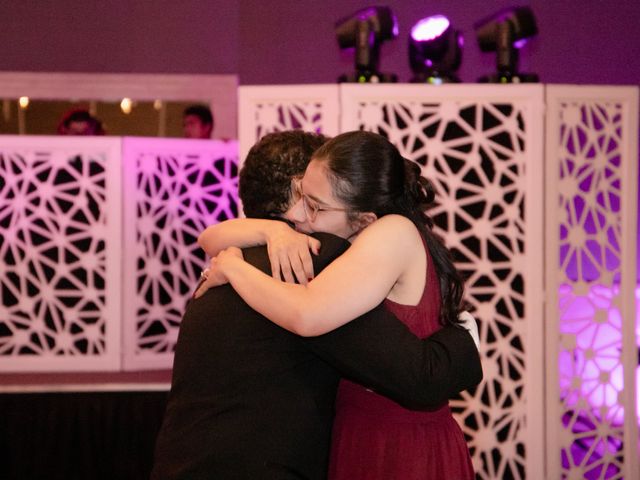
(368, 174)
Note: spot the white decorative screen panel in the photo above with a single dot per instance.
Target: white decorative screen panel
(60, 244)
(76, 273)
(173, 190)
(268, 109)
(480, 147)
(592, 161)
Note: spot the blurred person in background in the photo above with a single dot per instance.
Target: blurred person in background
(79, 121)
(197, 122)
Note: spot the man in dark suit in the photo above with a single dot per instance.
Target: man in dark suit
(250, 400)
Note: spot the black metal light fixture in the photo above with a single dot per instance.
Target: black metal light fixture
(365, 31)
(504, 33)
(435, 51)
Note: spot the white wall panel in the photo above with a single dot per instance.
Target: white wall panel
(173, 189)
(480, 146)
(591, 188)
(60, 247)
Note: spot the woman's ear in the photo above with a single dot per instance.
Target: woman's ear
(364, 220)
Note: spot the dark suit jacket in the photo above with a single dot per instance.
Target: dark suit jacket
(250, 400)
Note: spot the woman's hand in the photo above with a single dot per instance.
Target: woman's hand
(289, 254)
(213, 276)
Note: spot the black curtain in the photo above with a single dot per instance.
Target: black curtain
(97, 435)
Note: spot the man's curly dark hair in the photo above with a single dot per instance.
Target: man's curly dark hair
(265, 178)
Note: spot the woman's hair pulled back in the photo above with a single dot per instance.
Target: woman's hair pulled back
(368, 174)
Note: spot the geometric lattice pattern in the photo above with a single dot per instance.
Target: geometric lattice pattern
(288, 116)
(174, 190)
(474, 153)
(59, 201)
(263, 110)
(101, 231)
(590, 367)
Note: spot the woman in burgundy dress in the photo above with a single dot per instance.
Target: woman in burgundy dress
(359, 187)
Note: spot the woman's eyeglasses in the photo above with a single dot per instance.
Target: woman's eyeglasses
(311, 206)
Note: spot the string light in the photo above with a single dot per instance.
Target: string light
(126, 105)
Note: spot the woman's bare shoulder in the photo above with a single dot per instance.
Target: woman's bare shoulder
(391, 231)
(390, 225)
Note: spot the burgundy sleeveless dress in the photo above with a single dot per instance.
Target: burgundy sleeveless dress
(375, 438)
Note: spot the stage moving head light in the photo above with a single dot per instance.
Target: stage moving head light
(365, 30)
(505, 32)
(435, 51)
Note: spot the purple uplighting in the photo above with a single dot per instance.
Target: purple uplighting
(430, 28)
(596, 359)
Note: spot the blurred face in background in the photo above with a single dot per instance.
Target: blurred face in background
(79, 128)
(193, 127)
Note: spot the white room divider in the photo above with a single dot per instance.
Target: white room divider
(173, 189)
(475, 145)
(537, 197)
(591, 345)
(313, 108)
(60, 218)
(498, 172)
(97, 246)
